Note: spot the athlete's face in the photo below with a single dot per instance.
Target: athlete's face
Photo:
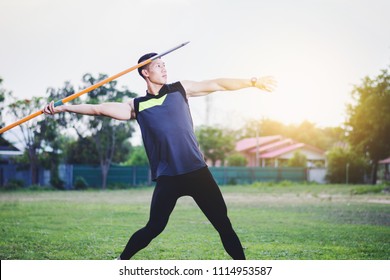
(156, 72)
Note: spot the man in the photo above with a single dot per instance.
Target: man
(176, 163)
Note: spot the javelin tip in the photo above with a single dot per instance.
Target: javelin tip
(169, 51)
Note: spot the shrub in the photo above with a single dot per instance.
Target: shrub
(14, 184)
(80, 183)
(298, 160)
(237, 160)
(40, 188)
(367, 189)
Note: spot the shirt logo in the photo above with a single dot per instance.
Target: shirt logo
(151, 103)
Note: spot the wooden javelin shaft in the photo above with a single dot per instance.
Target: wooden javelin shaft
(95, 86)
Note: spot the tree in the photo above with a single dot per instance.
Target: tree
(369, 119)
(65, 121)
(39, 136)
(236, 159)
(306, 132)
(345, 165)
(2, 98)
(32, 132)
(215, 143)
(298, 160)
(137, 157)
(265, 127)
(82, 151)
(110, 136)
(52, 145)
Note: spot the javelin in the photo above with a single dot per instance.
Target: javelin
(95, 86)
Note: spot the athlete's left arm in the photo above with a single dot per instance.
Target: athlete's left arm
(202, 88)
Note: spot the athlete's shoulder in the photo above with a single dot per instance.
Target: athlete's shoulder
(174, 87)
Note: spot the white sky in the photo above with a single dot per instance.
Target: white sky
(316, 49)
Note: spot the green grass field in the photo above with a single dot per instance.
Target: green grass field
(274, 222)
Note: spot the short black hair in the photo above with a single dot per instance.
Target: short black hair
(143, 58)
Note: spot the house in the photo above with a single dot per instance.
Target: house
(384, 169)
(7, 151)
(385, 161)
(276, 151)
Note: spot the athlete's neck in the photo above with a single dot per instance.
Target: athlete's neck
(154, 88)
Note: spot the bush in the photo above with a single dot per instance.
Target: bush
(261, 184)
(298, 160)
(14, 184)
(286, 183)
(237, 160)
(367, 189)
(118, 186)
(80, 183)
(40, 188)
(57, 183)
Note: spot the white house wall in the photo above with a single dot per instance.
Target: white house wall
(310, 155)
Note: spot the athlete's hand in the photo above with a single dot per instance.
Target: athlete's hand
(49, 109)
(266, 83)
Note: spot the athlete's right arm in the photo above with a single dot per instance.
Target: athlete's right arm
(115, 110)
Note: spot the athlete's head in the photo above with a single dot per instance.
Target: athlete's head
(143, 58)
(154, 71)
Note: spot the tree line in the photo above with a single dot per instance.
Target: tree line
(358, 144)
(71, 138)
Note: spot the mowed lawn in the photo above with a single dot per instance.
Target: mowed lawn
(288, 222)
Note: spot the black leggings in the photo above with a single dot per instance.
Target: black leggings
(201, 186)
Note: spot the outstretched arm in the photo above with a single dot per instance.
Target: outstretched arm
(206, 87)
(115, 110)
